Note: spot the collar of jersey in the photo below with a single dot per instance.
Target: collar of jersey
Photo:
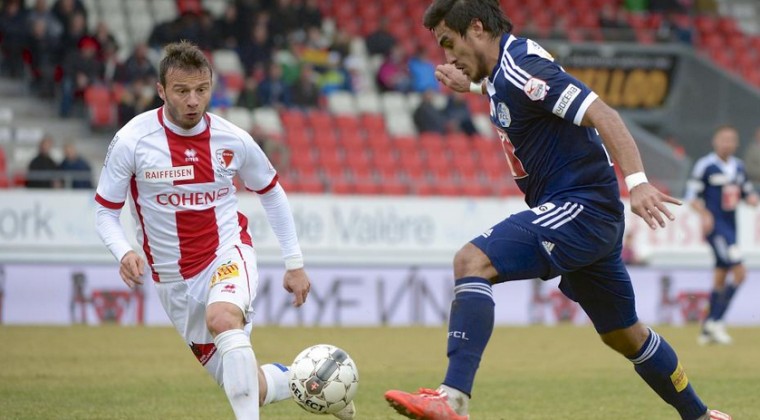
(174, 128)
(502, 44)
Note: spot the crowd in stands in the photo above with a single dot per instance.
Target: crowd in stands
(73, 171)
(288, 59)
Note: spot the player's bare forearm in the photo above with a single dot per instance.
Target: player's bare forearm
(616, 137)
(646, 201)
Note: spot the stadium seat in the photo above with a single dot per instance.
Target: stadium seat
(400, 123)
(268, 120)
(341, 103)
(240, 116)
(319, 121)
(101, 111)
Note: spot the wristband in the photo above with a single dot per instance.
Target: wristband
(476, 88)
(294, 262)
(635, 179)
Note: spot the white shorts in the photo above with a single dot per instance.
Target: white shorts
(232, 277)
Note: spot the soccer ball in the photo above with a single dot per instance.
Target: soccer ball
(323, 379)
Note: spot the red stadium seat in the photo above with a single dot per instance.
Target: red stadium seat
(374, 124)
(101, 110)
(393, 187)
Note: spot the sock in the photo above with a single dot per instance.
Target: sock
(458, 400)
(714, 305)
(470, 326)
(657, 363)
(240, 374)
(278, 383)
(725, 300)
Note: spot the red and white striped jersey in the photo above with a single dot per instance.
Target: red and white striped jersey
(181, 185)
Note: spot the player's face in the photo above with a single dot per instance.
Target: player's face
(466, 52)
(725, 142)
(186, 96)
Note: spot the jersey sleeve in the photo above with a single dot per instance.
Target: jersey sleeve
(695, 186)
(118, 170)
(746, 184)
(257, 171)
(547, 86)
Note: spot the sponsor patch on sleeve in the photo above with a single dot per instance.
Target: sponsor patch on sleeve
(566, 99)
(535, 49)
(536, 89)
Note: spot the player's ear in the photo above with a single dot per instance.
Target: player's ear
(161, 92)
(476, 26)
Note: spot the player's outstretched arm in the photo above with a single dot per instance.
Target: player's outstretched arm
(646, 201)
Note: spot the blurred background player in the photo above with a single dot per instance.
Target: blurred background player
(718, 182)
(558, 137)
(178, 163)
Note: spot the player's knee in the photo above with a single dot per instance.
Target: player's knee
(740, 273)
(221, 319)
(471, 261)
(626, 341)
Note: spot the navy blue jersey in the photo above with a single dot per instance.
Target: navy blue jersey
(720, 184)
(537, 109)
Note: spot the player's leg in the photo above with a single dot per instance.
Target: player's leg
(605, 293)
(507, 251)
(727, 256)
(231, 292)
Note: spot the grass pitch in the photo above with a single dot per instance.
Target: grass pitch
(527, 373)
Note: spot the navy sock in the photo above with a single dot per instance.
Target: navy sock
(715, 302)
(725, 300)
(470, 326)
(657, 363)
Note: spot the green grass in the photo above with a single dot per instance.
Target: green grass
(527, 373)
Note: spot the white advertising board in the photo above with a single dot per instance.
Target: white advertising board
(63, 294)
(59, 226)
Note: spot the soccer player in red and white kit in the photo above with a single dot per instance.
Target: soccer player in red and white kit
(177, 164)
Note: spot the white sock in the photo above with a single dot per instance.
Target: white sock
(240, 377)
(458, 400)
(278, 383)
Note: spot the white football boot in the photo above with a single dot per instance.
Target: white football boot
(717, 330)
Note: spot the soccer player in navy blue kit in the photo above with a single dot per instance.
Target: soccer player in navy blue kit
(718, 182)
(560, 140)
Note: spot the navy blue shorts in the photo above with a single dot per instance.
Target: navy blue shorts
(723, 244)
(575, 241)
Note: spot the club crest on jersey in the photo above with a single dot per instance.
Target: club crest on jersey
(536, 89)
(502, 114)
(224, 159)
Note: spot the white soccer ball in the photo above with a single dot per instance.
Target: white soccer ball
(323, 379)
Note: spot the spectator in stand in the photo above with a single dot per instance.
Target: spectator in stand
(75, 32)
(137, 66)
(249, 96)
(284, 20)
(41, 172)
(105, 40)
(208, 38)
(309, 15)
(76, 171)
(273, 91)
(612, 21)
(64, 11)
(428, 118)
(380, 42)
(137, 97)
(80, 70)
(752, 160)
(256, 48)
(422, 72)
(53, 26)
(334, 77)
(458, 115)
(13, 34)
(164, 33)
(230, 28)
(341, 43)
(393, 72)
(305, 90)
(44, 51)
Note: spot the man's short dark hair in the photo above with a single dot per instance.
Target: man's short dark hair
(459, 14)
(182, 55)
